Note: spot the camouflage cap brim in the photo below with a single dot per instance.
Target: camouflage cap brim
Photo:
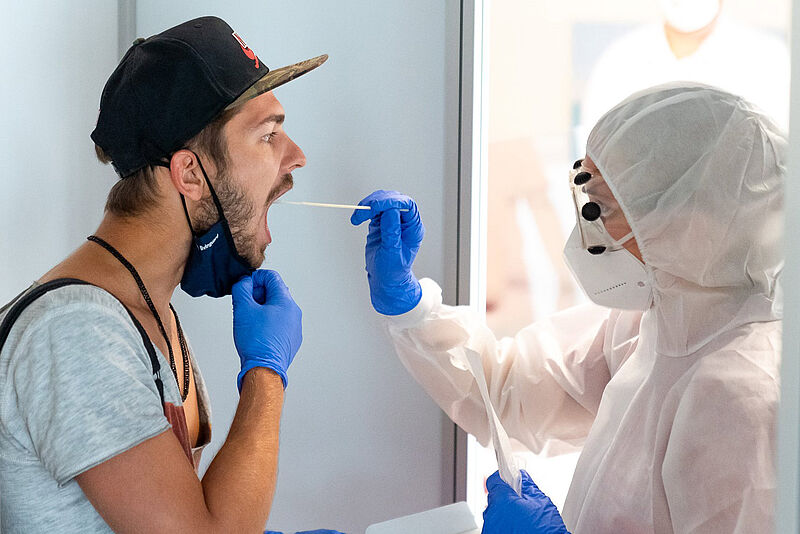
(276, 78)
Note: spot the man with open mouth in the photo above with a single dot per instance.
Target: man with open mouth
(105, 412)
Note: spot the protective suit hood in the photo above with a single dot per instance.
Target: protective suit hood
(699, 174)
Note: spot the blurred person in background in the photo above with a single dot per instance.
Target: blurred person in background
(694, 41)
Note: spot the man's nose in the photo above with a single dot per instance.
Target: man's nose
(295, 156)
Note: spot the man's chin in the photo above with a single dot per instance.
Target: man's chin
(259, 259)
(254, 259)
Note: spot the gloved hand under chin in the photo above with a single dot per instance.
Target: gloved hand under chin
(392, 243)
(508, 513)
(267, 324)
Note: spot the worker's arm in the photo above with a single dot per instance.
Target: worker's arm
(153, 488)
(545, 383)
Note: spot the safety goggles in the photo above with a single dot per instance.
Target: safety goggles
(594, 203)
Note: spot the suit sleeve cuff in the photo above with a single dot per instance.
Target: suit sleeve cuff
(431, 298)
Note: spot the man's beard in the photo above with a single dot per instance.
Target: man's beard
(238, 210)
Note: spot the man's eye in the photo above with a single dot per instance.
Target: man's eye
(269, 136)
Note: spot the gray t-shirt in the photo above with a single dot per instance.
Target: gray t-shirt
(76, 388)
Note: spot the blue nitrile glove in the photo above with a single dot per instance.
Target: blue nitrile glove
(508, 513)
(392, 244)
(320, 531)
(267, 324)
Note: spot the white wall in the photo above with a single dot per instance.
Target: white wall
(54, 59)
(360, 441)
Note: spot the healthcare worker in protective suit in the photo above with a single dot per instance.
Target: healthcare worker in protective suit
(670, 386)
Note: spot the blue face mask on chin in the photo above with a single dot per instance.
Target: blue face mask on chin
(214, 265)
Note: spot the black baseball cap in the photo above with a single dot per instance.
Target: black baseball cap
(168, 87)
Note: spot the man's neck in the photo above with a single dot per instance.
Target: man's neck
(157, 245)
(156, 250)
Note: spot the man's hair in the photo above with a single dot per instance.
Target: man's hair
(136, 193)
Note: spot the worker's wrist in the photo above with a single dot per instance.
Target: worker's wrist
(396, 299)
(431, 297)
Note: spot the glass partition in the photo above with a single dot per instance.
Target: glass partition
(552, 69)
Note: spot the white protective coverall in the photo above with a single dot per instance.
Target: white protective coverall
(675, 408)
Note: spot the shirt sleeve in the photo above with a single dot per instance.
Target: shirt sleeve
(545, 383)
(84, 387)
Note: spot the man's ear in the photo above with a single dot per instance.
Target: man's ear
(186, 176)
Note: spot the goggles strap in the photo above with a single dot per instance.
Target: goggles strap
(624, 239)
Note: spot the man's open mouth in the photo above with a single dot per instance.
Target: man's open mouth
(285, 187)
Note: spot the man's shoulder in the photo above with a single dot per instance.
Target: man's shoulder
(64, 297)
(82, 309)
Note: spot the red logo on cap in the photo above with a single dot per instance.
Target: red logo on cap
(246, 49)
